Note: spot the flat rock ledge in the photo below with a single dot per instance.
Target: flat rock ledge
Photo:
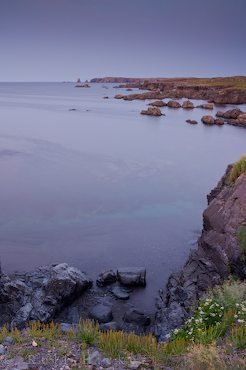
(41, 294)
(218, 254)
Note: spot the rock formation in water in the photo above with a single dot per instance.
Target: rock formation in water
(219, 254)
(39, 295)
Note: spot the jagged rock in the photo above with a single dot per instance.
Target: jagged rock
(2, 350)
(206, 106)
(208, 120)
(135, 316)
(158, 103)
(106, 277)
(133, 276)
(152, 112)
(101, 313)
(187, 104)
(218, 254)
(41, 294)
(173, 104)
(192, 121)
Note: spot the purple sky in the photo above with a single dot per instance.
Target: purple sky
(56, 40)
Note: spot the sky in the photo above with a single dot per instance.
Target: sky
(61, 40)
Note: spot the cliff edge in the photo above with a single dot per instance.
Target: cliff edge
(218, 255)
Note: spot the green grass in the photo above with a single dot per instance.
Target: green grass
(237, 82)
(242, 238)
(238, 168)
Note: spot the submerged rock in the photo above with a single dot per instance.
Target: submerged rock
(135, 316)
(101, 313)
(206, 106)
(120, 293)
(192, 121)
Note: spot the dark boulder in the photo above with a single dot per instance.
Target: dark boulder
(134, 276)
(137, 317)
(101, 313)
(106, 277)
(41, 294)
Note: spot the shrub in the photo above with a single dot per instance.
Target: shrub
(242, 238)
(88, 332)
(238, 168)
(238, 337)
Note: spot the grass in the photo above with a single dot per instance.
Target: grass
(237, 82)
(238, 168)
(242, 238)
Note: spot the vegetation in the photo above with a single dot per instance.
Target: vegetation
(213, 338)
(242, 238)
(236, 82)
(238, 168)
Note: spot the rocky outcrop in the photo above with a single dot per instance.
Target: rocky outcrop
(233, 116)
(218, 254)
(152, 112)
(40, 295)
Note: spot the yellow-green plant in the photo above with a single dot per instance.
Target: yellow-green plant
(49, 331)
(88, 332)
(238, 168)
(238, 337)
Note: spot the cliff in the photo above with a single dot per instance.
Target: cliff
(219, 254)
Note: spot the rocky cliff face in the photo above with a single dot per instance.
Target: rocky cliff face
(219, 254)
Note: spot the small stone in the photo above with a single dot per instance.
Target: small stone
(94, 358)
(8, 340)
(192, 121)
(106, 362)
(2, 350)
(134, 365)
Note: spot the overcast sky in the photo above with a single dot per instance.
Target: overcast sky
(56, 40)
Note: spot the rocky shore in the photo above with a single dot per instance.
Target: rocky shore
(66, 294)
(229, 90)
(219, 254)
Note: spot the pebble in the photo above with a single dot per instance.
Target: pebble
(94, 358)
(134, 365)
(2, 350)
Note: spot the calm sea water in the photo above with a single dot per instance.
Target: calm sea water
(103, 186)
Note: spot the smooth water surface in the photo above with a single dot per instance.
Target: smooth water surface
(104, 186)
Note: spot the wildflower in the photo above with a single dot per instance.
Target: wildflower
(176, 331)
(240, 321)
(236, 316)
(168, 336)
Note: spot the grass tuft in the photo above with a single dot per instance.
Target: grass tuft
(238, 168)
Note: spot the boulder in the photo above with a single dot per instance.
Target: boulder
(101, 313)
(137, 317)
(241, 119)
(132, 276)
(173, 104)
(219, 121)
(106, 277)
(187, 104)
(206, 106)
(41, 294)
(192, 121)
(152, 112)
(208, 120)
(158, 103)
(119, 96)
(110, 326)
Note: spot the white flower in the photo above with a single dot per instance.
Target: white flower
(168, 335)
(34, 344)
(240, 321)
(237, 304)
(176, 331)
(236, 316)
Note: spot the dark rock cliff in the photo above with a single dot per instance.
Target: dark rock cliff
(219, 254)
